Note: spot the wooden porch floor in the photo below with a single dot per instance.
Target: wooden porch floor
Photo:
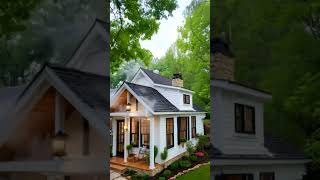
(140, 165)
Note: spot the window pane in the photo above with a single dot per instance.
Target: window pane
(248, 119)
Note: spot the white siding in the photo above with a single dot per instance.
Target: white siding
(161, 136)
(224, 136)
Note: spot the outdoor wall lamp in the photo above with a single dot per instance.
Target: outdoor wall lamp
(125, 127)
(128, 107)
(59, 144)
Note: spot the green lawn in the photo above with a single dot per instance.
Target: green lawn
(202, 173)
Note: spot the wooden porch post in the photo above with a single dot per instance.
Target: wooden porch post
(151, 160)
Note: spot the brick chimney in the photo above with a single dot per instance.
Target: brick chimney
(222, 66)
(177, 80)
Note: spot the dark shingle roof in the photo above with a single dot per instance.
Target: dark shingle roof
(153, 98)
(156, 78)
(279, 148)
(91, 88)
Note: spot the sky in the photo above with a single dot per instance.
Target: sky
(167, 33)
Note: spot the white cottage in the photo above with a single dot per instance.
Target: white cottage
(150, 111)
(242, 148)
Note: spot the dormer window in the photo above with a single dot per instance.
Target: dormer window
(244, 119)
(186, 99)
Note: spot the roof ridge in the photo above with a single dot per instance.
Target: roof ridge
(56, 66)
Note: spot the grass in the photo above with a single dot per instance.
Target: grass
(202, 173)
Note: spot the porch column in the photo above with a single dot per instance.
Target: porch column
(126, 140)
(59, 113)
(175, 131)
(151, 160)
(114, 137)
(190, 125)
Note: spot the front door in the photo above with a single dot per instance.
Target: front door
(120, 138)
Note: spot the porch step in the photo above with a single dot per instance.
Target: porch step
(117, 168)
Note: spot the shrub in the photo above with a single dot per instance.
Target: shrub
(183, 140)
(203, 142)
(193, 158)
(129, 148)
(140, 177)
(166, 173)
(161, 178)
(156, 150)
(129, 172)
(190, 147)
(164, 154)
(175, 165)
(185, 163)
(199, 154)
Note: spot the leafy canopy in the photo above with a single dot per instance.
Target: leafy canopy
(132, 21)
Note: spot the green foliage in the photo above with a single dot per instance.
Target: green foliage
(175, 165)
(190, 54)
(312, 149)
(203, 142)
(164, 154)
(161, 178)
(140, 177)
(166, 173)
(156, 150)
(193, 158)
(131, 21)
(129, 172)
(184, 163)
(183, 140)
(190, 147)
(129, 148)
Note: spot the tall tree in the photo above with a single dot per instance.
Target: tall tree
(132, 21)
(190, 53)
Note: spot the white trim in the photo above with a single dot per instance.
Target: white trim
(226, 85)
(141, 71)
(226, 162)
(159, 85)
(174, 87)
(177, 113)
(121, 89)
(131, 114)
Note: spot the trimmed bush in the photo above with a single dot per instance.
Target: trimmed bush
(175, 165)
(129, 172)
(166, 173)
(140, 177)
(185, 163)
(193, 158)
(164, 154)
(156, 150)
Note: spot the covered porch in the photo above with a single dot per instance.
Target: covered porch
(137, 130)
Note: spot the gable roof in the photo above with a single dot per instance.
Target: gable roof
(88, 94)
(91, 88)
(153, 98)
(157, 78)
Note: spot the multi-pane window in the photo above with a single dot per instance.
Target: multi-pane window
(244, 119)
(169, 132)
(267, 176)
(183, 129)
(186, 99)
(193, 126)
(145, 132)
(134, 132)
